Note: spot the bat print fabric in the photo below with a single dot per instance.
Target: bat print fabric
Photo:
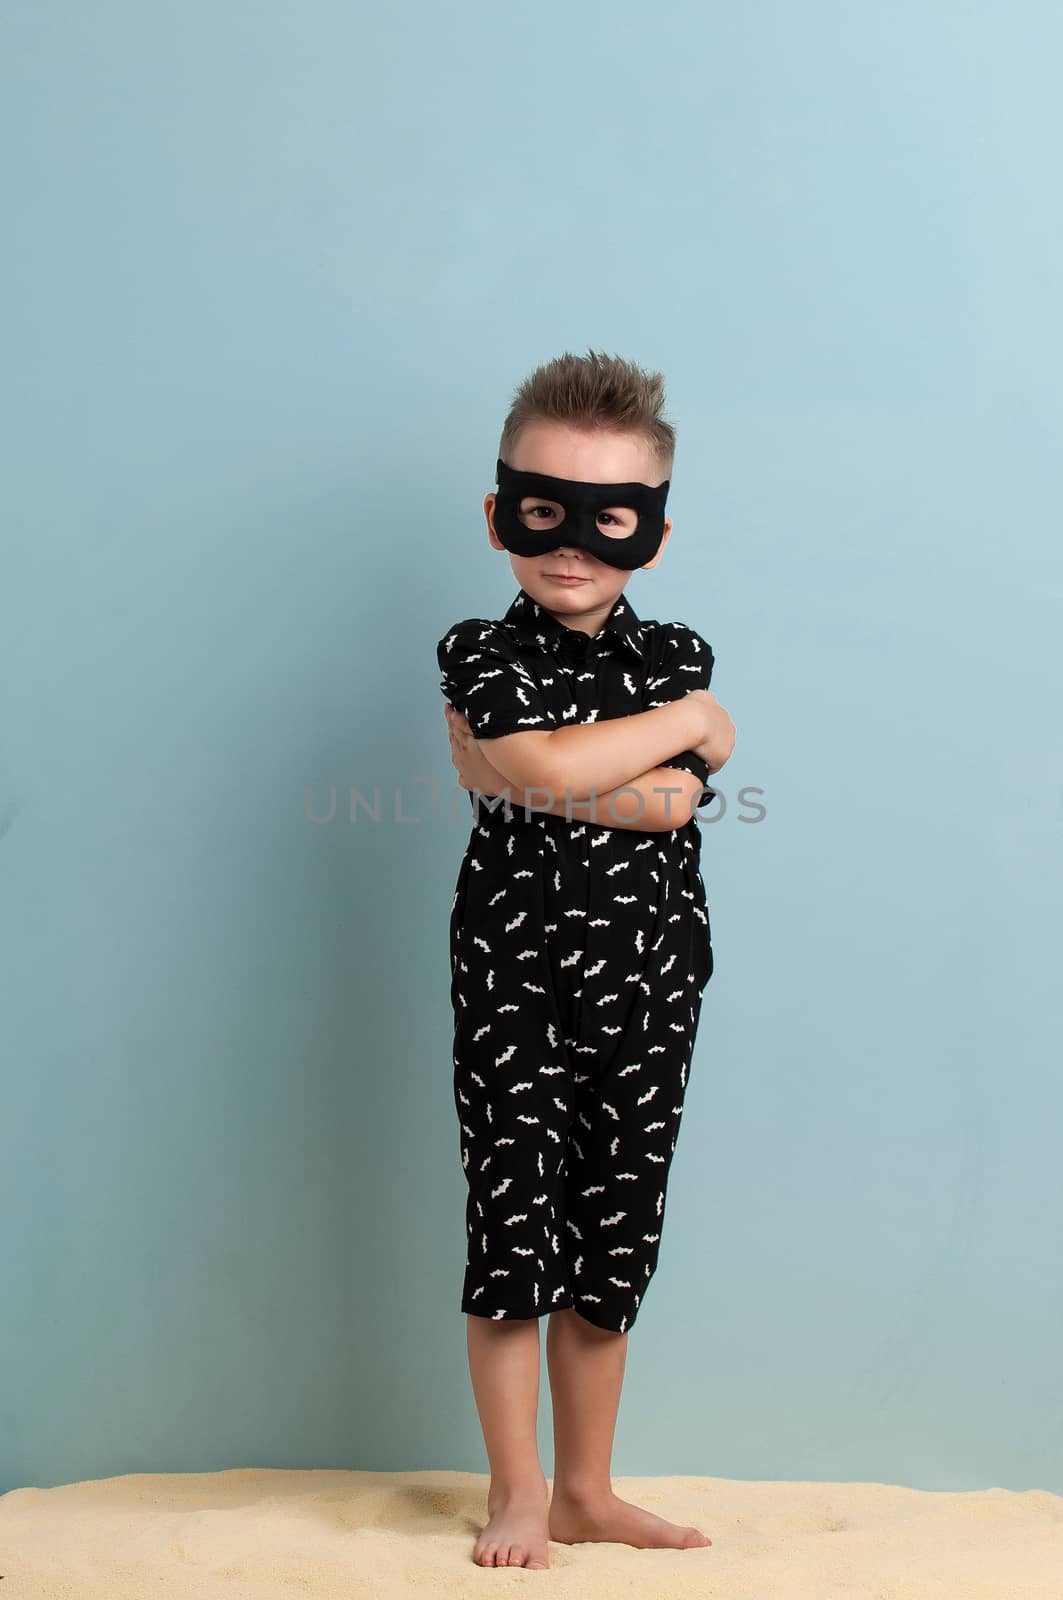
(579, 957)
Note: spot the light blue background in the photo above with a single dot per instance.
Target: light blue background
(270, 275)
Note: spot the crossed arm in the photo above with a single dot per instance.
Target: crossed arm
(562, 765)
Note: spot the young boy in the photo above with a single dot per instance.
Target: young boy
(579, 936)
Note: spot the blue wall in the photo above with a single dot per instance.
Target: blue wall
(270, 275)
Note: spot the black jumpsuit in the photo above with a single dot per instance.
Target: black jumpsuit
(579, 953)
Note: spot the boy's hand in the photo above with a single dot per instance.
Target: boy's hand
(719, 740)
(473, 768)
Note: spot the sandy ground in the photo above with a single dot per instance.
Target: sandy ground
(265, 1534)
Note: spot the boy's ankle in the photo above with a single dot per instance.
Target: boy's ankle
(529, 1485)
(581, 1491)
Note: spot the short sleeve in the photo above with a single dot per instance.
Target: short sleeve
(484, 678)
(685, 661)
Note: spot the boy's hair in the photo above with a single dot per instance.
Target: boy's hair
(594, 391)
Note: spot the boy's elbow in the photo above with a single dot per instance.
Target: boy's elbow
(526, 760)
(663, 820)
(676, 796)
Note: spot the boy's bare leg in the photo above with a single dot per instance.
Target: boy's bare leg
(586, 1366)
(504, 1366)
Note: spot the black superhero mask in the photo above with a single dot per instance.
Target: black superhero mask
(578, 523)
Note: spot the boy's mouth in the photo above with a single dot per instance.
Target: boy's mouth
(565, 577)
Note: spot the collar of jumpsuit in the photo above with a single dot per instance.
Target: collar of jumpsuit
(531, 622)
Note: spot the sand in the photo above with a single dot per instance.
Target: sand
(265, 1534)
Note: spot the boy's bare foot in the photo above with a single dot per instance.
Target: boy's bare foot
(576, 1518)
(516, 1532)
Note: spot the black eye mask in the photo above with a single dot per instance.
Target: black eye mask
(578, 526)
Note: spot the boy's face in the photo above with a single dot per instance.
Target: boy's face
(590, 456)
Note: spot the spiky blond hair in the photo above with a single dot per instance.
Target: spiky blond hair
(594, 391)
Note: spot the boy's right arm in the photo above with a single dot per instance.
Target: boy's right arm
(598, 755)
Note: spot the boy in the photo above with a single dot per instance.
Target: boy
(580, 940)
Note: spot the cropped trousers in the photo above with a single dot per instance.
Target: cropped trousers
(571, 1060)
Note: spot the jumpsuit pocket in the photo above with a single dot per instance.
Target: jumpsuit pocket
(701, 957)
(457, 920)
(701, 931)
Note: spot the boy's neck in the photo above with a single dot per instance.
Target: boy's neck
(590, 622)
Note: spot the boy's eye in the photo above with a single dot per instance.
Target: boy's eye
(539, 511)
(543, 511)
(619, 527)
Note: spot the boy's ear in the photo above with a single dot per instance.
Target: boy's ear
(489, 513)
(649, 565)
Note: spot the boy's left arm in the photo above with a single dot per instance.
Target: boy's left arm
(660, 799)
(686, 663)
(656, 801)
